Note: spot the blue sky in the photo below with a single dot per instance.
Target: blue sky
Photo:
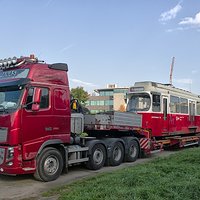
(107, 41)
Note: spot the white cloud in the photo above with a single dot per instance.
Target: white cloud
(48, 3)
(183, 81)
(170, 30)
(83, 83)
(191, 21)
(66, 48)
(194, 71)
(170, 14)
(177, 29)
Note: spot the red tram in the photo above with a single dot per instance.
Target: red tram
(168, 112)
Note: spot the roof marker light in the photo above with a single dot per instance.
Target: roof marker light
(1, 63)
(5, 62)
(32, 56)
(14, 60)
(9, 61)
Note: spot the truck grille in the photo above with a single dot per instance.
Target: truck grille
(3, 134)
(2, 154)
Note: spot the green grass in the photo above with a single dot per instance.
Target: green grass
(173, 177)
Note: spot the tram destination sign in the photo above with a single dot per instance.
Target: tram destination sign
(136, 89)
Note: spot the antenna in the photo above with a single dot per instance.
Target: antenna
(171, 70)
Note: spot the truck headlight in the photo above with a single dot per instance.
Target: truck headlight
(10, 153)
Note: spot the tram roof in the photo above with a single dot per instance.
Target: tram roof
(163, 88)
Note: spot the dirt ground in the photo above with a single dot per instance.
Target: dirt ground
(26, 187)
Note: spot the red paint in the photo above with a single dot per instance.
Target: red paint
(165, 121)
(175, 123)
(28, 130)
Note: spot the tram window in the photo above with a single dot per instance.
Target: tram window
(184, 105)
(156, 103)
(198, 108)
(174, 104)
(139, 102)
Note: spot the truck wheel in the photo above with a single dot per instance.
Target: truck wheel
(49, 165)
(117, 154)
(97, 158)
(133, 151)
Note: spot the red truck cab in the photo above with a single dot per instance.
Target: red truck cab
(30, 91)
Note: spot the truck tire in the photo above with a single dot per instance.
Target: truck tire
(97, 157)
(132, 151)
(49, 165)
(117, 154)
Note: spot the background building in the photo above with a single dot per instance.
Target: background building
(108, 99)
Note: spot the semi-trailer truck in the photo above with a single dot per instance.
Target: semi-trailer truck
(40, 126)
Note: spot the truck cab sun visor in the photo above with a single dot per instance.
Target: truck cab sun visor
(14, 82)
(59, 66)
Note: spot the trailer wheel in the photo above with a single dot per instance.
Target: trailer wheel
(117, 154)
(49, 165)
(97, 158)
(132, 151)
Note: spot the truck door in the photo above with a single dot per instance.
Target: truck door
(191, 113)
(165, 116)
(156, 116)
(36, 125)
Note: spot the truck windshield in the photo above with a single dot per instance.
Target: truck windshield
(9, 98)
(139, 102)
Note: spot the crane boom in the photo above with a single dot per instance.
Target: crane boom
(171, 70)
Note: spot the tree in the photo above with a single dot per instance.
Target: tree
(80, 94)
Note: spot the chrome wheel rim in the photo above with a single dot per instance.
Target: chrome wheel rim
(98, 156)
(132, 151)
(51, 165)
(117, 153)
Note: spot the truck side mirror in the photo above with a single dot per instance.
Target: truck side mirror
(37, 96)
(36, 99)
(35, 107)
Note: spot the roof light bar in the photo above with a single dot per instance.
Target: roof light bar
(15, 62)
(8, 63)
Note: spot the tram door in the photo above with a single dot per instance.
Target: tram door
(165, 116)
(191, 113)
